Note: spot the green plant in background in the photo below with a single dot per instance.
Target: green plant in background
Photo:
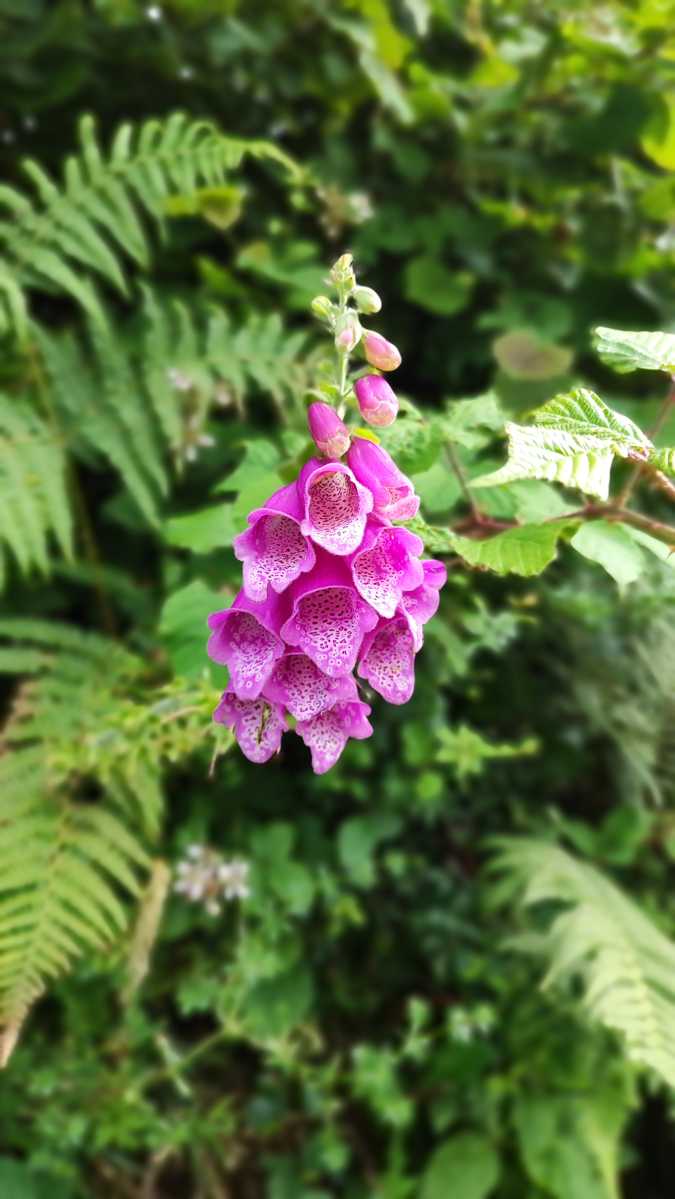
(368, 1019)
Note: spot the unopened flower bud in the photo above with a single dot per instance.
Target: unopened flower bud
(329, 432)
(348, 332)
(322, 307)
(366, 300)
(342, 271)
(380, 353)
(377, 403)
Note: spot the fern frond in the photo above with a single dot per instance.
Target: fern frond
(626, 966)
(34, 504)
(65, 236)
(81, 762)
(142, 401)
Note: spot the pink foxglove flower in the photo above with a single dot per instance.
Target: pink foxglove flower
(258, 724)
(387, 564)
(393, 493)
(379, 352)
(332, 586)
(330, 434)
(377, 402)
(388, 661)
(246, 638)
(420, 605)
(327, 734)
(336, 506)
(329, 617)
(298, 684)
(273, 550)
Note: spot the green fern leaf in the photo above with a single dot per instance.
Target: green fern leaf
(34, 505)
(68, 235)
(625, 964)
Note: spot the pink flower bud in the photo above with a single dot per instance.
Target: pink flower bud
(380, 353)
(377, 403)
(347, 332)
(330, 434)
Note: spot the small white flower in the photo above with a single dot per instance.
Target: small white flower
(203, 876)
(154, 13)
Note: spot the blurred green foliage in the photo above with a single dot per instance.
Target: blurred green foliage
(369, 1022)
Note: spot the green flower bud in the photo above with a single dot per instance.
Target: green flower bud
(322, 308)
(342, 272)
(348, 332)
(366, 299)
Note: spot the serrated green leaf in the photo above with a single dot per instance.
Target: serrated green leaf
(525, 550)
(611, 546)
(573, 440)
(627, 351)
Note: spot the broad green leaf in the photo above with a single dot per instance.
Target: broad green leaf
(414, 444)
(358, 840)
(536, 501)
(274, 1006)
(470, 422)
(626, 351)
(431, 285)
(208, 529)
(522, 354)
(465, 1167)
(260, 458)
(569, 1144)
(573, 440)
(182, 626)
(658, 548)
(611, 546)
(438, 488)
(658, 142)
(524, 550)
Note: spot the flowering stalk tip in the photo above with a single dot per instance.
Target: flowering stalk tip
(332, 590)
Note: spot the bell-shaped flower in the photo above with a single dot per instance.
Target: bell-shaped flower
(388, 660)
(377, 402)
(329, 618)
(420, 605)
(327, 734)
(392, 491)
(273, 550)
(298, 684)
(258, 724)
(379, 352)
(387, 564)
(246, 638)
(330, 434)
(335, 506)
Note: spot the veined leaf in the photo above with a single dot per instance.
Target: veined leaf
(612, 547)
(573, 440)
(626, 351)
(524, 550)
